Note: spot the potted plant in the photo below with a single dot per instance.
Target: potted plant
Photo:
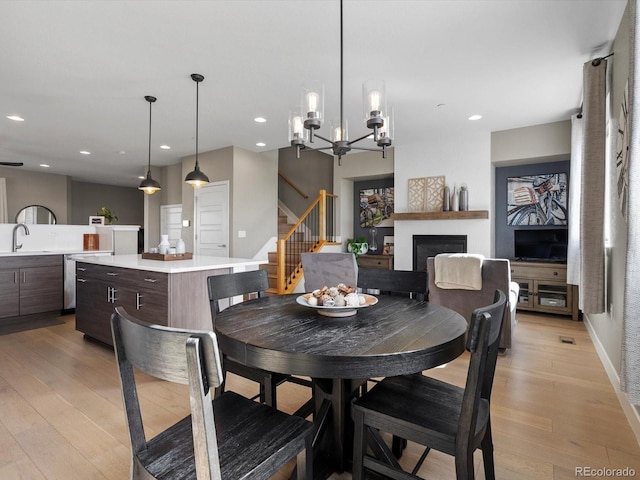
(358, 246)
(109, 216)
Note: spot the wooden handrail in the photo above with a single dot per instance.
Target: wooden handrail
(313, 226)
(292, 185)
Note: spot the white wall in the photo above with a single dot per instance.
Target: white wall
(463, 158)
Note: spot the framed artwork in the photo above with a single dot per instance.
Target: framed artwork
(434, 197)
(537, 199)
(417, 193)
(376, 207)
(96, 220)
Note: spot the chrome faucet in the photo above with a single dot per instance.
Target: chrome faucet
(15, 246)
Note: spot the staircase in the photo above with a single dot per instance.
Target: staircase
(315, 228)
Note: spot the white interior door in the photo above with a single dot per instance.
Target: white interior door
(212, 219)
(171, 222)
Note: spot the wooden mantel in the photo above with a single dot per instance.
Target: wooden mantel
(465, 215)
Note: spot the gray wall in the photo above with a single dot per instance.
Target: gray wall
(127, 203)
(71, 202)
(34, 188)
(312, 172)
(503, 232)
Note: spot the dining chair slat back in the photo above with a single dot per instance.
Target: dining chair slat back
(200, 445)
(242, 283)
(453, 420)
(234, 284)
(413, 283)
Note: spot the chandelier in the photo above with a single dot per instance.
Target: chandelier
(309, 116)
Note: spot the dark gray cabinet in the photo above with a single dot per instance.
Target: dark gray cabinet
(30, 284)
(99, 289)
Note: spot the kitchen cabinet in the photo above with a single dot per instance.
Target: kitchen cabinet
(99, 289)
(172, 293)
(544, 288)
(30, 284)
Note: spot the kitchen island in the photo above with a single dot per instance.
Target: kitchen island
(172, 293)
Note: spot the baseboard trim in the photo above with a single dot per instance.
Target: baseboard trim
(632, 414)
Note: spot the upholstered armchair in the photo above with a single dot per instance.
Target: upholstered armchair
(496, 274)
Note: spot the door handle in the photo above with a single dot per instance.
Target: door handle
(138, 302)
(222, 246)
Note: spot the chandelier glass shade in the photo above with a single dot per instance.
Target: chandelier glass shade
(196, 178)
(304, 121)
(149, 185)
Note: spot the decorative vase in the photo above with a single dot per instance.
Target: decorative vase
(163, 246)
(373, 244)
(455, 199)
(464, 198)
(180, 248)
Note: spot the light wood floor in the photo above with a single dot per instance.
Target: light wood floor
(553, 408)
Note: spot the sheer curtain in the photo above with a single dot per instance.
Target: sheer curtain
(573, 250)
(593, 186)
(630, 368)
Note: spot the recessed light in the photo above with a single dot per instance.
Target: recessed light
(142, 177)
(122, 152)
(165, 147)
(44, 165)
(85, 152)
(261, 144)
(15, 118)
(260, 120)
(475, 117)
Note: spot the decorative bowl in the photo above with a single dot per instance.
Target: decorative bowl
(346, 311)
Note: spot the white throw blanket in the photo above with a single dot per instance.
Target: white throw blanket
(462, 271)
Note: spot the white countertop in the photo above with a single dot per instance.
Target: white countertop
(24, 253)
(198, 262)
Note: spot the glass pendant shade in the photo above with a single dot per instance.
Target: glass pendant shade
(386, 130)
(298, 135)
(196, 178)
(374, 99)
(149, 185)
(313, 104)
(339, 132)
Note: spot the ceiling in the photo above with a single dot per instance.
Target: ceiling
(77, 71)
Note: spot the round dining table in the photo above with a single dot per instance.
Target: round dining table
(395, 336)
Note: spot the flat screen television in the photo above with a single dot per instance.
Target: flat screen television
(544, 245)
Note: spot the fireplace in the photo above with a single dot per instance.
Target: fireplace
(425, 246)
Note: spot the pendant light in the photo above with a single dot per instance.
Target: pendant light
(196, 178)
(149, 185)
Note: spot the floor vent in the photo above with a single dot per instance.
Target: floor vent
(569, 340)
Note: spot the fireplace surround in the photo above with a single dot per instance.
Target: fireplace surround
(425, 246)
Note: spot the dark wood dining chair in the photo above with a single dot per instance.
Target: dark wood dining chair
(433, 413)
(392, 282)
(246, 283)
(404, 282)
(230, 437)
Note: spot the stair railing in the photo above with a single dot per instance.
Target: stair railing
(316, 227)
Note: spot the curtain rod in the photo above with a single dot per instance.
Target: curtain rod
(596, 61)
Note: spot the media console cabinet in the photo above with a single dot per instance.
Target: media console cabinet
(544, 288)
